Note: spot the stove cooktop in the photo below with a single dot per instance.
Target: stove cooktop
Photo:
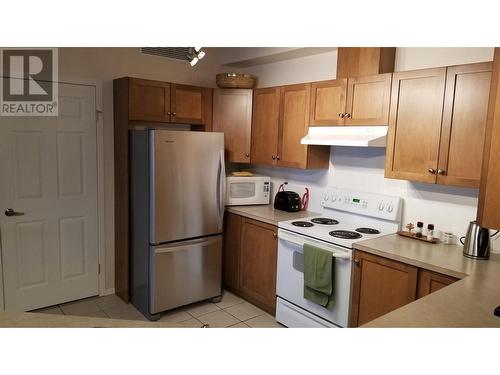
(339, 229)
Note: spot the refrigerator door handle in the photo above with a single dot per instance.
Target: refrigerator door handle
(221, 189)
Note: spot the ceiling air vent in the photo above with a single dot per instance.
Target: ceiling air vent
(178, 53)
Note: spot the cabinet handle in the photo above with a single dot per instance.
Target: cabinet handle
(169, 113)
(278, 157)
(341, 115)
(174, 114)
(347, 115)
(431, 170)
(273, 157)
(441, 171)
(356, 261)
(247, 155)
(275, 235)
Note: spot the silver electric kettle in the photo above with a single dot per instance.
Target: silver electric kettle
(477, 242)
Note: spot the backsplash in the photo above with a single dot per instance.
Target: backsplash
(448, 208)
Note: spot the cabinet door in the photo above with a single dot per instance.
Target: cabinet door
(415, 124)
(380, 285)
(464, 124)
(149, 100)
(328, 99)
(232, 243)
(429, 282)
(488, 212)
(265, 122)
(258, 263)
(233, 117)
(294, 124)
(187, 104)
(368, 100)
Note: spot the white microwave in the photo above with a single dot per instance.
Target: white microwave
(254, 189)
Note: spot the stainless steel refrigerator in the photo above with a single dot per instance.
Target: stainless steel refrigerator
(177, 195)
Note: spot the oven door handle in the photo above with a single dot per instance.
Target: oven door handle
(287, 238)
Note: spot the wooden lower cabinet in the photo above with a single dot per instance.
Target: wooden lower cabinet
(430, 282)
(250, 260)
(380, 285)
(232, 245)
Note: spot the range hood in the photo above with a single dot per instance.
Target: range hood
(360, 136)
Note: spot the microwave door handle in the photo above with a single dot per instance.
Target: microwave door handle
(221, 189)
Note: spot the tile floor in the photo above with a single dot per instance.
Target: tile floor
(232, 312)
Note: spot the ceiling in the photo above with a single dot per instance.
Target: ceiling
(244, 57)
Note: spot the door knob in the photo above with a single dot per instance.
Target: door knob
(347, 115)
(11, 212)
(273, 157)
(441, 171)
(432, 170)
(341, 115)
(247, 155)
(275, 235)
(169, 113)
(174, 114)
(278, 157)
(356, 261)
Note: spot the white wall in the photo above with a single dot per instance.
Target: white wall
(106, 64)
(449, 208)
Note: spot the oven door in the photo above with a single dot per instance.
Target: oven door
(290, 278)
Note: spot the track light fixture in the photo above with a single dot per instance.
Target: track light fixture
(195, 54)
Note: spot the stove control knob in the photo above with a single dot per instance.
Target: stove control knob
(333, 197)
(381, 206)
(390, 208)
(346, 199)
(325, 197)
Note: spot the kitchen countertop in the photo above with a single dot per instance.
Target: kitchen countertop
(267, 213)
(468, 302)
(39, 320)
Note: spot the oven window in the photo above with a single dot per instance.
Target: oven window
(242, 190)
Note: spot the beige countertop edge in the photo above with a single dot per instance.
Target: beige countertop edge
(410, 261)
(267, 213)
(39, 320)
(468, 302)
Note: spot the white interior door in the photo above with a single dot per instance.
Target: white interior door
(48, 172)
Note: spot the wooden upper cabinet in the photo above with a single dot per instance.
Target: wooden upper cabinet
(294, 125)
(430, 282)
(368, 100)
(265, 123)
(186, 104)
(464, 124)
(258, 263)
(380, 285)
(149, 100)
(415, 124)
(233, 117)
(156, 101)
(488, 213)
(328, 102)
(364, 61)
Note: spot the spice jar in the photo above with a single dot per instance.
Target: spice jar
(418, 231)
(430, 232)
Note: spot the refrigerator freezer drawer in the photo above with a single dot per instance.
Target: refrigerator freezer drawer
(185, 272)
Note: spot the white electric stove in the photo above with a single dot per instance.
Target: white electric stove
(347, 217)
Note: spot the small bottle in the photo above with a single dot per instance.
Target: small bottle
(418, 231)
(430, 232)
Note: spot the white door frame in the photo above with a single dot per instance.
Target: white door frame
(97, 84)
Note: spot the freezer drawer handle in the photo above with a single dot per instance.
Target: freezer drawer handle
(188, 245)
(301, 243)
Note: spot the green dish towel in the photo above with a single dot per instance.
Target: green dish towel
(318, 275)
